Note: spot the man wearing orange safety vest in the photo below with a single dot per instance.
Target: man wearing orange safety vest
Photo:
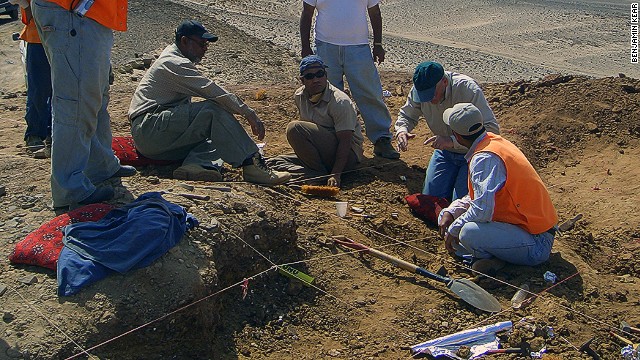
(77, 37)
(37, 136)
(508, 215)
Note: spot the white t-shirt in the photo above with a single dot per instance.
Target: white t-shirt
(342, 22)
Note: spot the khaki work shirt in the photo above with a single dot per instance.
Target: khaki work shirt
(461, 89)
(334, 112)
(172, 80)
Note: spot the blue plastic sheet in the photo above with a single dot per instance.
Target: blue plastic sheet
(479, 340)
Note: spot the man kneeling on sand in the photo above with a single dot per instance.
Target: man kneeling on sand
(327, 139)
(508, 215)
(166, 125)
(435, 90)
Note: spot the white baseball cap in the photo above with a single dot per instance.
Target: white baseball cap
(464, 119)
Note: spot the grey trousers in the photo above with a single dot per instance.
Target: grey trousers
(201, 133)
(316, 146)
(79, 51)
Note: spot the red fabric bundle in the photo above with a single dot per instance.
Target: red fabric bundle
(125, 150)
(426, 207)
(42, 246)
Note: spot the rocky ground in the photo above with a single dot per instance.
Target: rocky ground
(581, 133)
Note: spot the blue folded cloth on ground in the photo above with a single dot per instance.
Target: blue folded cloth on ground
(127, 238)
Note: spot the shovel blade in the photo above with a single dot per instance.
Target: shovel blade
(474, 295)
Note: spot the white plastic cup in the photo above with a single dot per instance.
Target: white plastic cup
(341, 208)
(520, 296)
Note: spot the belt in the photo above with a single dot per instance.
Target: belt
(552, 231)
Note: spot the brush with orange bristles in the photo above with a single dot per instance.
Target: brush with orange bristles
(318, 190)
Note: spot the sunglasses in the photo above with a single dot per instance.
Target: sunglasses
(317, 74)
(200, 43)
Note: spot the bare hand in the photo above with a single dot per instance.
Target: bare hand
(257, 126)
(334, 181)
(443, 224)
(378, 54)
(403, 140)
(440, 142)
(306, 52)
(449, 242)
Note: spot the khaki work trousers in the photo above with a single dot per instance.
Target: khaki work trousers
(316, 146)
(201, 133)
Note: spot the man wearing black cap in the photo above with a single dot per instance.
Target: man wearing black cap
(508, 215)
(435, 90)
(166, 125)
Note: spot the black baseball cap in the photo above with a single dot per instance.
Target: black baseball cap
(194, 28)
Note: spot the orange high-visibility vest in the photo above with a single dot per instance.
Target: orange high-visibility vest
(29, 32)
(109, 13)
(523, 200)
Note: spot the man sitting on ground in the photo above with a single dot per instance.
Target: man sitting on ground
(508, 214)
(166, 125)
(435, 90)
(328, 138)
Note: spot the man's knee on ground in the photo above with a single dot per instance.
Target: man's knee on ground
(296, 130)
(471, 236)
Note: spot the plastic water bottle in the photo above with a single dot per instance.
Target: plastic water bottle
(550, 277)
(520, 296)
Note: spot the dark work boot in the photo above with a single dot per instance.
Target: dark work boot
(384, 148)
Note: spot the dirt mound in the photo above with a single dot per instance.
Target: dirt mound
(235, 224)
(582, 134)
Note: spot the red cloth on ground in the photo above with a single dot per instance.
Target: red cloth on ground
(42, 246)
(426, 207)
(125, 150)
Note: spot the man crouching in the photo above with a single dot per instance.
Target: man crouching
(508, 215)
(328, 138)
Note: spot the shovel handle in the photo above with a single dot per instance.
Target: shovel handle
(344, 241)
(408, 266)
(394, 260)
(623, 339)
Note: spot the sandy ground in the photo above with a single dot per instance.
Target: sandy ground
(12, 75)
(582, 134)
(489, 40)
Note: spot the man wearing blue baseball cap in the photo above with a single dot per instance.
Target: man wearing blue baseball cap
(327, 140)
(167, 125)
(435, 90)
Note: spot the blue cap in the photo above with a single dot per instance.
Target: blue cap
(311, 62)
(425, 79)
(193, 27)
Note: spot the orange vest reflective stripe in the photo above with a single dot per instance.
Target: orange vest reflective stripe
(523, 200)
(109, 13)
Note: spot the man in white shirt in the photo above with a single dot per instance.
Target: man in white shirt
(342, 41)
(435, 90)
